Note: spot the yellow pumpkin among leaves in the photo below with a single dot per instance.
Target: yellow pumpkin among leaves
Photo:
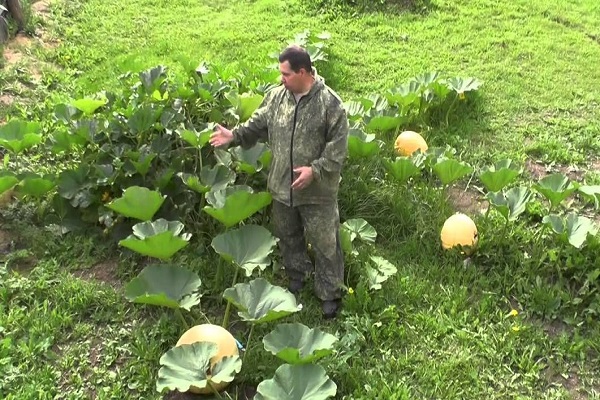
(408, 142)
(226, 343)
(459, 230)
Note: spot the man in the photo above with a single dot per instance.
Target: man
(307, 129)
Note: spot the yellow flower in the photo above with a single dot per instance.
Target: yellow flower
(350, 291)
(461, 95)
(515, 329)
(105, 197)
(513, 313)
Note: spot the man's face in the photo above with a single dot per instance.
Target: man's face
(290, 79)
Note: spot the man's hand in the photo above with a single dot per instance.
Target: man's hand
(220, 137)
(305, 177)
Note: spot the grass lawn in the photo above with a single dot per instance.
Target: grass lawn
(439, 328)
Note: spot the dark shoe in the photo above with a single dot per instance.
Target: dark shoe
(295, 286)
(331, 308)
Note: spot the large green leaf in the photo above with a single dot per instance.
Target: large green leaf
(258, 301)
(88, 106)
(188, 366)
(197, 138)
(239, 206)
(384, 122)
(213, 179)
(378, 271)
(591, 193)
(248, 247)
(74, 185)
(450, 170)
(252, 160)
(143, 118)
(402, 169)
(556, 188)
(7, 182)
(17, 135)
(165, 285)
(63, 140)
(160, 239)
(362, 145)
(245, 104)
(297, 382)
(35, 185)
(404, 95)
(218, 197)
(512, 203)
(138, 202)
(498, 176)
(461, 85)
(574, 228)
(217, 177)
(359, 228)
(296, 343)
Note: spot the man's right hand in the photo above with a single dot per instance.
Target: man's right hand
(221, 137)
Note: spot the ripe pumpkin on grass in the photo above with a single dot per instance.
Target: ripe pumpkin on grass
(226, 343)
(459, 230)
(408, 142)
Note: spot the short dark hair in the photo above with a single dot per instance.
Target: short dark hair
(297, 57)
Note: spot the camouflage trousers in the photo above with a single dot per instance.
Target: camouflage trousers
(317, 224)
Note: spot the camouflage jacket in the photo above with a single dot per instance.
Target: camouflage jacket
(312, 132)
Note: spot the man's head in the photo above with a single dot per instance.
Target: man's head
(296, 69)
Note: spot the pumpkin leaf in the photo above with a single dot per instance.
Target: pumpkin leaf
(252, 160)
(197, 138)
(359, 228)
(35, 185)
(248, 247)
(88, 106)
(18, 136)
(555, 188)
(591, 193)
(7, 182)
(362, 145)
(238, 206)
(188, 366)
(512, 203)
(574, 228)
(258, 301)
(402, 169)
(160, 239)
(450, 170)
(379, 271)
(499, 175)
(297, 382)
(461, 85)
(295, 343)
(165, 285)
(138, 202)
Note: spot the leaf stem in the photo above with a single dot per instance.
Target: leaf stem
(216, 392)
(248, 342)
(450, 109)
(228, 308)
(181, 317)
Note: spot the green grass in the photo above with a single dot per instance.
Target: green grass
(438, 330)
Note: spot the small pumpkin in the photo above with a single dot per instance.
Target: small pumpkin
(408, 142)
(459, 230)
(226, 343)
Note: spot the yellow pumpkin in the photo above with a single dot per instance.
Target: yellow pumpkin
(459, 230)
(408, 142)
(226, 343)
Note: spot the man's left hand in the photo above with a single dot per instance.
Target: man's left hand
(305, 177)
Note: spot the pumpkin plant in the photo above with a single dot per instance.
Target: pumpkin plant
(16, 137)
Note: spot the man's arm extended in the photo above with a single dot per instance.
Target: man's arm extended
(333, 156)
